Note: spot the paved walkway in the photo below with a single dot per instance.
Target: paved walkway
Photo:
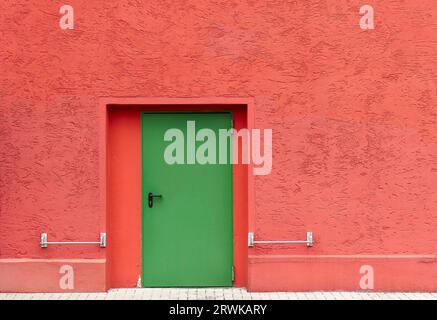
(216, 294)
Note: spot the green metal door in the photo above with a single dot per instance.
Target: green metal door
(187, 236)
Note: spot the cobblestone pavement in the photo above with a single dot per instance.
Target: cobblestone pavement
(217, 294)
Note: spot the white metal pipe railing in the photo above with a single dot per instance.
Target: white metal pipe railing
(44, 241)
(309, 241)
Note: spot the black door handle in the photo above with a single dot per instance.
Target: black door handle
(150, 198)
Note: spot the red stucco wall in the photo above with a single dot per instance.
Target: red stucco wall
(353, 114)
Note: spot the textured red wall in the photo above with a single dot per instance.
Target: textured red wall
(353, 115)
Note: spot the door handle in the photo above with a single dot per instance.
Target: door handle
(150, 198)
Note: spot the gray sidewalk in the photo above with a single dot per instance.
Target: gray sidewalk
(217, 294)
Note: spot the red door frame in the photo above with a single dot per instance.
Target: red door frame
(120, 181)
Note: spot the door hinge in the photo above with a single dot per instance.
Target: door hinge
(233, 274)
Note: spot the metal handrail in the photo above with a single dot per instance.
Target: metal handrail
(309, 241)
(44, 241)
